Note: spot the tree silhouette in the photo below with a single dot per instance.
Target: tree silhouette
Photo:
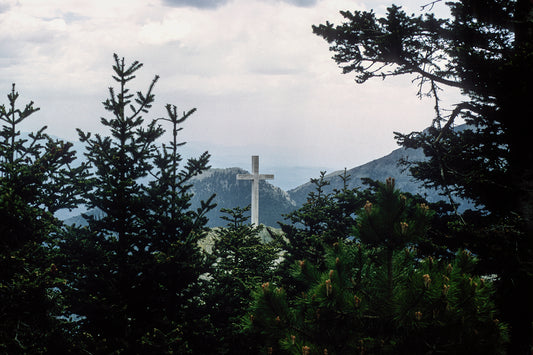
(485, 50)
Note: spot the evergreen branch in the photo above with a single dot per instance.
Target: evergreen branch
(145, 102)
(456, 111)
(429, 5)
(438, 157)
(416, 69)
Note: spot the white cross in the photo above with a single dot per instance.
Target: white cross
(255, 177)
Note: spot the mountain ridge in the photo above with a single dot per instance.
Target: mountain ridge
(274, 202)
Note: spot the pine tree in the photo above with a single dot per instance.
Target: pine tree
(307, 225)
(133, 273)
(242, 260)
(323, 220)
(378, 295)
(391, 225)
(485, 49)
(36, 180)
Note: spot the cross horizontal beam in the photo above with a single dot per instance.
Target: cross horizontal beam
(255, 177)
(251, 176)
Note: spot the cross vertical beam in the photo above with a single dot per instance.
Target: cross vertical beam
(255, 177)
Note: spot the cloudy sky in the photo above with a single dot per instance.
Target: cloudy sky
(262, 82)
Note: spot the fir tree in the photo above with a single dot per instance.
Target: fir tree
(36, 180)
(174, 285)
(134, 271)
(307, 225)
(323, 220)
(242, 260)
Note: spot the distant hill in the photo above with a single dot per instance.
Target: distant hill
(274, 202)
(80, 221)
(230, 193)
(379, 169)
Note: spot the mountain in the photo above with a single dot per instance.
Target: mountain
(379, 169)
(274, 202)
(80, 221)
(230, 193)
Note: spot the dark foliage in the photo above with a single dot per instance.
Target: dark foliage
(134, 273)
(36, 180)
(379, 295)
(243, 259)
(485, 49)
(324, 219)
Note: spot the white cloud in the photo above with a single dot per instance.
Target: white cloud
(202, 4)
(205, 4)
(253, 68)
